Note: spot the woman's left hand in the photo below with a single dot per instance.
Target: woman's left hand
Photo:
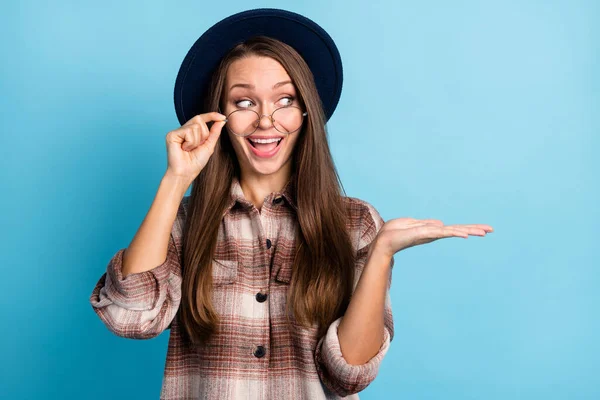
(402, 233)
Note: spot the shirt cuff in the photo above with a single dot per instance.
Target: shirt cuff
(336, 373)
(138, 291)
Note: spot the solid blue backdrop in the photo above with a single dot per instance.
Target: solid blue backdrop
(464, 111)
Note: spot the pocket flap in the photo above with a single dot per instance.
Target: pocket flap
(224, 271)
(284, 273)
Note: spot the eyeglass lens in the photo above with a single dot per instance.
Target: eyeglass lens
(285, 120)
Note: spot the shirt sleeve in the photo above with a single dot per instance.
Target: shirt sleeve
(334, 371)
(142, 305)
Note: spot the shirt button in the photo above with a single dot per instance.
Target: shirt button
(261, 297)
(259, 352)
(268, 243)
(278, 200)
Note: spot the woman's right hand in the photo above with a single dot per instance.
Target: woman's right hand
(190, 146)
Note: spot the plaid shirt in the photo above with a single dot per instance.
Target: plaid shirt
(255, 355)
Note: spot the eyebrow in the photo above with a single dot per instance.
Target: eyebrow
(248, 86)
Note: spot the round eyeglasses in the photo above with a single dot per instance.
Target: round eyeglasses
(244, 122)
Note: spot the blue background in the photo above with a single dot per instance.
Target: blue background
(465, 111)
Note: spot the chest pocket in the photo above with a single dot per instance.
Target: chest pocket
(224, 272)
(283, 265)
(283, 271)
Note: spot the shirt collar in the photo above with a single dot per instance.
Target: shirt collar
(236, 194)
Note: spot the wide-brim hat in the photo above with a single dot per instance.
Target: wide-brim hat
(311, 41)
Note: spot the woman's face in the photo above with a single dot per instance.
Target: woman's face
(263, 85)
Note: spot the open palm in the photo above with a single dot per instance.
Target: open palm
(402, 233)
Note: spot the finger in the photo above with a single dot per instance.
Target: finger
(213, 116)
(485, 227)
(201, 135)
(437, 232)
(469, 230)
(204, 118)
(190, 143)
(450, 231)
(191, 138)
(188, 136)
(215, 132)
(472, 229)
(433, 222)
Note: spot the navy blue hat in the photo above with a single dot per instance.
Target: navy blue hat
(305, 36)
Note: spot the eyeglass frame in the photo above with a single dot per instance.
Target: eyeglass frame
(260, 116)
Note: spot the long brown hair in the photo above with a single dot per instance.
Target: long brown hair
(323, 270)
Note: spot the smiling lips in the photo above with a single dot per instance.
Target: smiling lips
(265, 147)
(265, 141)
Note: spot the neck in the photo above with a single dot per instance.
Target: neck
(257, 187)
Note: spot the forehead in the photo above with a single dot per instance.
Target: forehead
(255, 70)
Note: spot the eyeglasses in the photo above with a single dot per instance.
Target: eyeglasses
(244, 122)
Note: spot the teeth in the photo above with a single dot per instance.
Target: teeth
(265, 140)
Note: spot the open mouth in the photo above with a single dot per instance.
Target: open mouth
(252, 143)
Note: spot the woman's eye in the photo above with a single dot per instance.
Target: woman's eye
(243, 103)
(287, 101)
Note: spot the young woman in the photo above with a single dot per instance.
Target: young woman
(273, 284)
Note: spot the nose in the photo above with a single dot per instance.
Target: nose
(265, 121)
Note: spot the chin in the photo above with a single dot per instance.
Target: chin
(265, 168)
